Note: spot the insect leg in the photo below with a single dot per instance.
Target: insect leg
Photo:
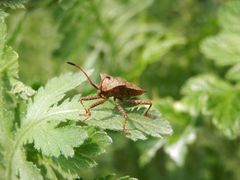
(88, 98)
(123, 112)
(94, 105)
(137, 102)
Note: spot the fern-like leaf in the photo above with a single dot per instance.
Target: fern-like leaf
(43, 115)
(72, 167)
(106, 116)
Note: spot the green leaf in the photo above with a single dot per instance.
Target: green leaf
(43, 115)
(3, 34)
(56, 141)
(180, 121)
(233, 73)
(224, 107)
(2, 14)
(6, 110)
(45, 112)
(50, 172)
(25, 170)
(127, 178)
(95, 144)
(213, 97)
(72, 167)
(8, 70)
(221, 102)
(2, 161)
(65, 4)
(8, 57)
(49, 96)
(224, 48)
(157, 48)
(197, 90)
(113, 176)
(229, 16)
(21, 90)
(106, 116)
(13, 3)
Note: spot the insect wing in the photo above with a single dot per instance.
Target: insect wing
(129, 85)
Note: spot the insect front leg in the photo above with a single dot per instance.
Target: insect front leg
(140, 102)
(94, 105)
(124, 114)
(88, 98)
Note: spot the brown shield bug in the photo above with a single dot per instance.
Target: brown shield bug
(116, 87)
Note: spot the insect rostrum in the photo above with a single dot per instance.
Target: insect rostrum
(116, 87)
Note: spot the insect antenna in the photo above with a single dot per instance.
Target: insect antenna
(77, 66)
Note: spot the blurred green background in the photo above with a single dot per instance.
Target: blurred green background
(185, 53)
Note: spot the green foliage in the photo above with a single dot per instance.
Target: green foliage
(107, 116)
(94, 145)
(224, 47)
(39, 126)
(47, 142)
(220, 98)
(229, 17)
(233, 73)
(176, 145)
(21, 90)
(185, 54)
(56, 144)
(112, 177)
(29, 36)
(8, 57)
(212, 96)
(13, 3)
(206, 97)
(121, 35)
